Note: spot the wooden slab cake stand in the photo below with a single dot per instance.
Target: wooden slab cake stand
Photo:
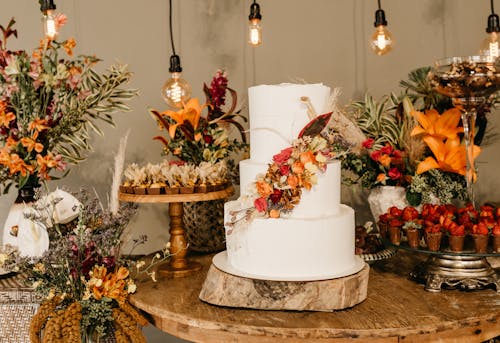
(179, 265)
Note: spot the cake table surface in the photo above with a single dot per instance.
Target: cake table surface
(396, 310)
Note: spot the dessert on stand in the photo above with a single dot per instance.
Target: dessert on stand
(288, 233)
(175, 183)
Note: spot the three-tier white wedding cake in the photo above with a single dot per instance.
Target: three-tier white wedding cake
(314, 242)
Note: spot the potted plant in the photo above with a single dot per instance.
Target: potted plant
(480, 235)
(433, 235)
(495, 233)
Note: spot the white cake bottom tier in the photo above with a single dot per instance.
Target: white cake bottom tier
(323, 199)
(295, 249)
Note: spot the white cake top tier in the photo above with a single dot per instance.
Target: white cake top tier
(277, 115)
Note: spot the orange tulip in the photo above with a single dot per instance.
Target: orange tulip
(436, 125)
(448, 156)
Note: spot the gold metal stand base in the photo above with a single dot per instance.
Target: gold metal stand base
(168, 270)
(464, 272)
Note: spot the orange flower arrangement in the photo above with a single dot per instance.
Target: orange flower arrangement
(48, 105)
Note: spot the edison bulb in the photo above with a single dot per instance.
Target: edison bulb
(49, 24)
(176, 91)
(489, 46)
(381, 41)
(254, 32)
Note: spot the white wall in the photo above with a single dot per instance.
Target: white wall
(315, 40)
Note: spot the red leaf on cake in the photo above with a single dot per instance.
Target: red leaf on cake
(315, 126)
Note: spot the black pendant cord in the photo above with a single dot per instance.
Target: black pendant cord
(171, 31)
(492, 9)
(380, 6)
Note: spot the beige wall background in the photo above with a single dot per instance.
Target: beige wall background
(315, 40)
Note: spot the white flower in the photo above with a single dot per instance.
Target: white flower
(140, 264)
(12, 67)
(153, 276)
(320, 158)
(131, 287)
(3, 258)
(311, 167)
(36, 284)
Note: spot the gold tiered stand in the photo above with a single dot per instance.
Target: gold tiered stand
(179, 265)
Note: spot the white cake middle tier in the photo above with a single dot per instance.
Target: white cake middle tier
(289, 249)
(323, 199)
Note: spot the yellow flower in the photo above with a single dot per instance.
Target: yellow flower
(448, 156)
(436, 125)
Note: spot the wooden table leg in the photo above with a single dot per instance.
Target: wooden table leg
(179, 265)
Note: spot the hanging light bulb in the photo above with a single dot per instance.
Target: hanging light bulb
(381, 41)
(254, 27)
(176, 90)
(489, 46)
(48, 19)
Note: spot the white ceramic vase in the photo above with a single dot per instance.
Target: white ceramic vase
(382, 198)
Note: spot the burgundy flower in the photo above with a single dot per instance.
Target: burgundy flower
(276, 196)
(260, 204)
(208, 139)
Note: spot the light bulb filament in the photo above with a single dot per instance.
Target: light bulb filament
(255, 33)
(381, 39)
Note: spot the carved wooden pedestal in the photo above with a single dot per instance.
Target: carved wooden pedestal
(179, 265)
(221, 288)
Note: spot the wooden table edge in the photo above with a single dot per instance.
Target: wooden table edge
(478, 329)
(189, 329)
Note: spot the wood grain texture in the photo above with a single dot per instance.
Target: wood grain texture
(224, 289)
(168, 198)
(396, 310)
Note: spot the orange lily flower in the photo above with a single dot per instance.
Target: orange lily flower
(448, 156)
(11, 142)
(45, 164)
(190, 112)
(292, 181)
(31, 144)
(38, 125)
(17, 164)
(6, 118)
(307, 156)
(69, 45)
(436, 125)
(4, 157)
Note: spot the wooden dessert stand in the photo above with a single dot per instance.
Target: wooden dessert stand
(179, 265)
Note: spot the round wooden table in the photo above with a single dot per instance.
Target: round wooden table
(396, 310)
(179, 265)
